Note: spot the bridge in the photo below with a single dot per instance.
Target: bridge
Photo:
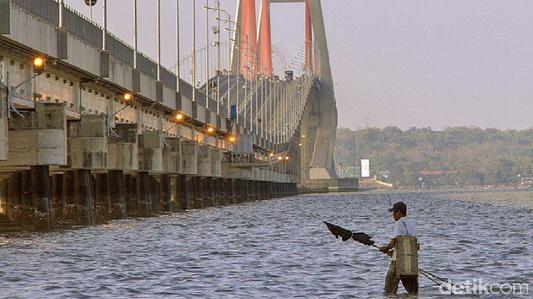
(92, 129)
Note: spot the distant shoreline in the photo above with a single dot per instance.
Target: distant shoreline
(505, 196)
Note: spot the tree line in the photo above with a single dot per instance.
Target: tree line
(453, 156)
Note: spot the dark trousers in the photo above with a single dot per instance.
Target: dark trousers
(410, 283)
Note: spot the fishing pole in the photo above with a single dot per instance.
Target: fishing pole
(365, 239)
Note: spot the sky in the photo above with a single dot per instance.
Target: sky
(438, 64)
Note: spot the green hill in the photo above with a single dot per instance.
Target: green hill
(454, 156)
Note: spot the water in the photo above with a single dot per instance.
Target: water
(277, 248)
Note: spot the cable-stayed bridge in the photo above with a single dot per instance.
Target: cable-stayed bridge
(92, 129)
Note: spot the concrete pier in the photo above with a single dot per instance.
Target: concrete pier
(130, 195)
(41, 197)
(69, 203)
(183, 191)
(57, 198)
(83, 198)
(116, 194)
(101, 200)
(40, 200)
(165, 192)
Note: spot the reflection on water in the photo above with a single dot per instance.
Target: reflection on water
(270, 248)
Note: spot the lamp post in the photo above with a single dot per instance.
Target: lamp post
(218, 49)
(178, 48)
(158, 40)
(104, 19)
(248, 68)
(127, 98)
(218, 57)
(90, 3)
(228, 20)
(206, 54)
(135, 42)
(193, 51)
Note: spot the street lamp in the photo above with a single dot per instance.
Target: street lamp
(179, 117)
(38, 65)
(127, 97)
(232, 139)
(90, 3)
(217, 8)
(228, 20)
(210, 130)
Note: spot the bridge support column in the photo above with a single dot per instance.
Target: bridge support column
(14, 198)
(245, 190)
(123, 149)
(204, 160)
(260, 190)
(233, 191)
(166, 192)
(218, 194)
(279, 189)
(57, 198)
(40, 183)
(183, 190)
(102, 205)
(241, 190)
(155, 191)
(88, 143)
(262, 193)
(130, 195)
(192, 191)
(70, 212)
(215, 158)
(151, 151)
(144, 194)
(172, 156)
(26, 201)
(269, 190)
(116, 195)
(228, 183)
(39, 138)
(83, 196)
(189, 159)
(253, 190)
(197, 192)
(207, 192)
(227, 189)
(259, 187)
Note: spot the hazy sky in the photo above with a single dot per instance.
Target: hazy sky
(417, 63)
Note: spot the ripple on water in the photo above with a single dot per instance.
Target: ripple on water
(276, 248)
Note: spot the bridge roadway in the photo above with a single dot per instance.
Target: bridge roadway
(74, 149)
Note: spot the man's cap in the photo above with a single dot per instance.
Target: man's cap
(399, 206)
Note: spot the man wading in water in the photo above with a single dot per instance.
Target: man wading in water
(402, 228)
